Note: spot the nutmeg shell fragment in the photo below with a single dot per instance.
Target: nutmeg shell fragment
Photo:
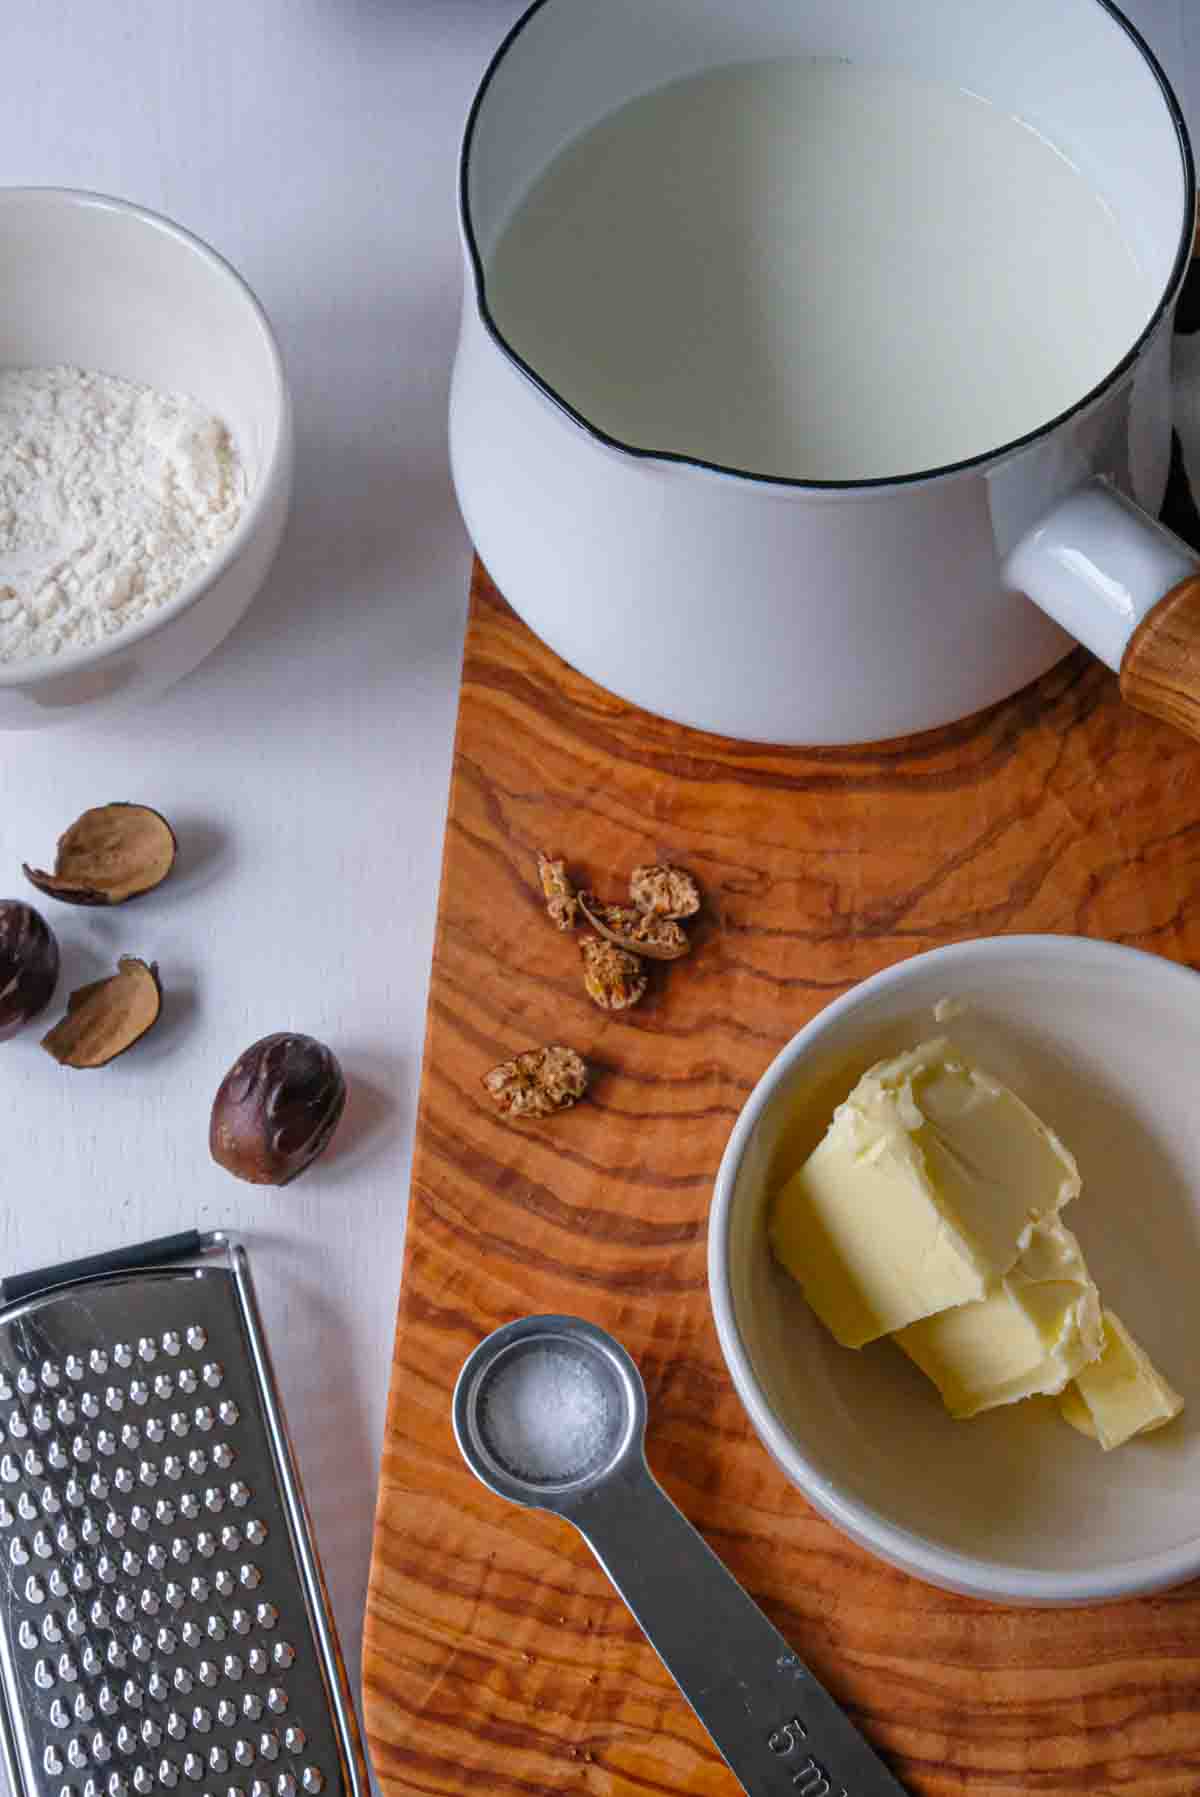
(108, 1016)
(109, 855)
(664, 891)
(276, 1109)
(28, 965)
(643, 933)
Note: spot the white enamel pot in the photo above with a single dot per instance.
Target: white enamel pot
(791, 611)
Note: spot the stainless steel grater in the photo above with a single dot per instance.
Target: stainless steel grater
(163, 1623)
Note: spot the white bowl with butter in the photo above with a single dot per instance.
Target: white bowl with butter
(1103, 1043)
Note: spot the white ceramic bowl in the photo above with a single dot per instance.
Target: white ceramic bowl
(1014, 1505)
(104, 285)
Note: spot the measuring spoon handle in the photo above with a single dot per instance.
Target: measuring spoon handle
(778, 1729)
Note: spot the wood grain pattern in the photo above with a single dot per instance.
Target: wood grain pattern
(497, 1656)
(1160, 669)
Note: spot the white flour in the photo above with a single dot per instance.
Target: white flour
(112, 496)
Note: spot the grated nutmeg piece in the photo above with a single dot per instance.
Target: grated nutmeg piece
(641, 932)
(614, 978)
(664, 891)
(539, 1082)
(560, 897)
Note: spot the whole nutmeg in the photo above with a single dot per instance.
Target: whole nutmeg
(28, 965)
(276, 1109)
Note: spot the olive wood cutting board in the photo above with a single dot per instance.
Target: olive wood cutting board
(498, 1658)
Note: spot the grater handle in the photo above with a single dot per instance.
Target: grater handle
(120, 1260)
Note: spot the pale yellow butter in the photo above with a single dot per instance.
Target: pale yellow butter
(1122, 1393)
(921, 1195)
(1031, 1335)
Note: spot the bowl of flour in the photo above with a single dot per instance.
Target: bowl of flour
(145, 453)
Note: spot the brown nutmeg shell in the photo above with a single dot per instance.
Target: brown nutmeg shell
(28, 965)
(276, 1109)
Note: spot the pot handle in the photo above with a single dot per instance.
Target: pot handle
(1128, 588)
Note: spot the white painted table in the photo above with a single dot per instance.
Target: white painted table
(305, 765)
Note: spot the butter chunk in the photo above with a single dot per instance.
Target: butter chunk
(1033, 1334)
(919, 1197)
(1122, 1393)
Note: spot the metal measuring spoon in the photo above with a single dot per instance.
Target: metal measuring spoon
(550, 1412)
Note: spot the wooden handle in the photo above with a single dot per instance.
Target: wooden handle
(1160, 669)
